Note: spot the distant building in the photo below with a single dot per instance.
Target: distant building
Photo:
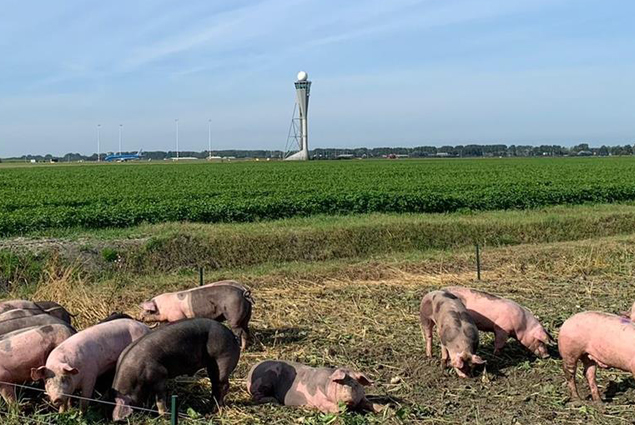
(585, 153)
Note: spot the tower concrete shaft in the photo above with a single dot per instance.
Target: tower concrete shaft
(302, 89)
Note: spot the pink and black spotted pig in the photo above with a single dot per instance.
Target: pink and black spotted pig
(505, 318)
(25, 349)
(456, 329)
(227, 300)
(596, 339)
(295, 384)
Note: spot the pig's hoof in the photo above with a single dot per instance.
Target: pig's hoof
(576, 402)
(377, 408)
(599, 406)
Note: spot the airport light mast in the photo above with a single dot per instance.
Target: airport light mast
(209, 139)
(176, 124)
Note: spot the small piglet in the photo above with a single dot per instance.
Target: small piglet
(22, 351)
(597, 339)
(27, 322)
(213, 301)
(80, 360)
(180, 348)
(294, 384)
(505, 318)
(456, 328)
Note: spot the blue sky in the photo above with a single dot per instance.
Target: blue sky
(384, 72)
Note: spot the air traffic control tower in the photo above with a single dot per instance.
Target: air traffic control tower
(302, 90)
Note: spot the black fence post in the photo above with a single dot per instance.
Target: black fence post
(200, 276)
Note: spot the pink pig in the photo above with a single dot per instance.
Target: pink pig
(598, 339)
(80, 360)
(25, 349)
(505, 318)
(295, 384)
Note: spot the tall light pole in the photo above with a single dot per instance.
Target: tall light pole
(98, 143)
(176, 123)
(120, 130)
(209, 139)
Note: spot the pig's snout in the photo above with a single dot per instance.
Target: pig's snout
(60, 404)
(542, 351)
(121, 411)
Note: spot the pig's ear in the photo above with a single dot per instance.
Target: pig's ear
(361, 378)
(149, 306)
(69, 370)
(39, 373)
(478, 360)
(458, 362)
(338, 375)
(550, 339)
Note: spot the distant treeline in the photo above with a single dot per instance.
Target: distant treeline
(460, 151)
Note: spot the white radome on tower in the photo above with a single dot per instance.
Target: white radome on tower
(302, 76)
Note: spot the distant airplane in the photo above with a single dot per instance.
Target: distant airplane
(124, 157)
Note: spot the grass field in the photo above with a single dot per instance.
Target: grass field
(120, 195)
(340, 289)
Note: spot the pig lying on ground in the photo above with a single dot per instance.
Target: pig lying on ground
(40, 307)
(180, 348)
(55, 310)
(16, 314)
(27, 322)
(80, 360)
(22, 351)
(505, 318)
(597, 339)
(456, 329)
(217, 302)
(294, 384)
(18, 305)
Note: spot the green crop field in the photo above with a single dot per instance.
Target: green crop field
(120, 195)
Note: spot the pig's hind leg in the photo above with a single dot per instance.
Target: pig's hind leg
(217, 386)
(569, 366)
(161, 397)
(590, 368)
(239, 323)
(263, 393)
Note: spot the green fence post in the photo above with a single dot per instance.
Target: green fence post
(200, 276)
(174, 412)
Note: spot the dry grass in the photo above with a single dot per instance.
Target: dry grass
(364, 315)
